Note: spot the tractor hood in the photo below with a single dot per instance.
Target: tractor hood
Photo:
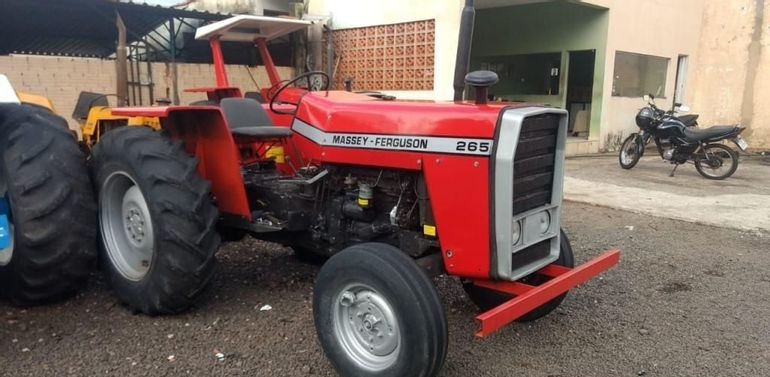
(351, 113)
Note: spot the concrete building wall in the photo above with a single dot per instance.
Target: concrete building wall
(544, 28)
(731, 78)
(62, 79)
(347, 14)
(662, 28)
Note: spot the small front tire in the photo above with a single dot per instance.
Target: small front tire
(378, 314)
(631, 151)
(487, 299)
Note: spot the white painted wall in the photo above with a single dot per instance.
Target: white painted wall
(346, 14)
(663, 28)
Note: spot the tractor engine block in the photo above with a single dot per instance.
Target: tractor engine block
(327, 208)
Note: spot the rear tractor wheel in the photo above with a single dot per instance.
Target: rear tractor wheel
(157, 222)
(47, 210)
(487, 299)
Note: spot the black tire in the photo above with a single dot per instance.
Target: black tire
(721, 152)
(407, 290)
(228, 234)
(182, 217)
(308, 255)
(487, 299)
(632, 149)
(52, 207)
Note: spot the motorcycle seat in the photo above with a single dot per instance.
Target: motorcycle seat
(696, 134)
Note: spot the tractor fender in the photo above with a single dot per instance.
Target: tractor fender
(205, 135)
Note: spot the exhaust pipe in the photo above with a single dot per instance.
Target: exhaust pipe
(463, 49)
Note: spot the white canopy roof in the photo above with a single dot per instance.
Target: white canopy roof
(245, 28)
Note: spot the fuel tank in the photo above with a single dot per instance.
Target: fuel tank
(671, 128)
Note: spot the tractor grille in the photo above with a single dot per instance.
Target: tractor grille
(533, 164)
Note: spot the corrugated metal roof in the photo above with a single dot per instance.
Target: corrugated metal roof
(80, 27)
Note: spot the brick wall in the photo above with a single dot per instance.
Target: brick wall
(63, 78)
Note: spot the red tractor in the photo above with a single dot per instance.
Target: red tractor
(390, 192)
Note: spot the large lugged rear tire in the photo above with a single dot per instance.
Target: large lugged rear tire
(156, 218)
(487, 299)
(378, 314)
(53, 211)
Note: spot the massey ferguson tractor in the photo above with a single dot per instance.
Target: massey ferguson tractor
(392, 193)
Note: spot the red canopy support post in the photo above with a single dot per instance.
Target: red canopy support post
(267, 60)
(219, 63)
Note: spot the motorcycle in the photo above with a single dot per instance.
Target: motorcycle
(679, 140)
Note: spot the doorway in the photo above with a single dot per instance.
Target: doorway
(580, 85)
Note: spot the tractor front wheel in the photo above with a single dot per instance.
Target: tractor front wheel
(378, 314)
(487, 299)
(157, 221)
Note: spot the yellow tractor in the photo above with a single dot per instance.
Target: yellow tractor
(94, 115)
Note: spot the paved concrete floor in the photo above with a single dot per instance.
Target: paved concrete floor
(739, 202)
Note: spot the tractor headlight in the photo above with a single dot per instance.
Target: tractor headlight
(516, 232)
(542, 221)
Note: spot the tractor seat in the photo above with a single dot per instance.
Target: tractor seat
(247, 118)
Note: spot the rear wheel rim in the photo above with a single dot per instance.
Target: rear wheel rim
(126, 225)
(365, 324)
(7, 254)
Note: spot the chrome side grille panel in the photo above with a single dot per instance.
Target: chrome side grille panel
(528, 176)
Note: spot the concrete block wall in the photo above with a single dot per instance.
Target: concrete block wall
(731, 76)
(63, 78)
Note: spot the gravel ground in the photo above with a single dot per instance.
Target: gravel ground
(686, 300)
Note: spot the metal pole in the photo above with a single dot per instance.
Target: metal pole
(463, 58)
(174, 80)
(120, 62)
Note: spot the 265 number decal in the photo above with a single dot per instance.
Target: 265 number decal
(473, 146)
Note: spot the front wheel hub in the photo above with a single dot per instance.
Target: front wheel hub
(366, 326)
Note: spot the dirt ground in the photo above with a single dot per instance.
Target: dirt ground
(686, 300)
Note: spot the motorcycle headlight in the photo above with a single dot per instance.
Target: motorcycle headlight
(516, 232)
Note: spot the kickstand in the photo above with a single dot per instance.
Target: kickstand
(673, 170)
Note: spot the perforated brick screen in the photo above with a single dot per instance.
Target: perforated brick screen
(386, 57)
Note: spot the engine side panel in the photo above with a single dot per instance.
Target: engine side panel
(459, 190)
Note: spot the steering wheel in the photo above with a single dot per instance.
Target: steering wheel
(311, 85)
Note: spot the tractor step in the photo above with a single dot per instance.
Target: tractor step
(529, 297)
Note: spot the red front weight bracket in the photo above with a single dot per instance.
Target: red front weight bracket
(529, 297)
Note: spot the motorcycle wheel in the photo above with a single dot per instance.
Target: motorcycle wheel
(720, 162)
(631, 151)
